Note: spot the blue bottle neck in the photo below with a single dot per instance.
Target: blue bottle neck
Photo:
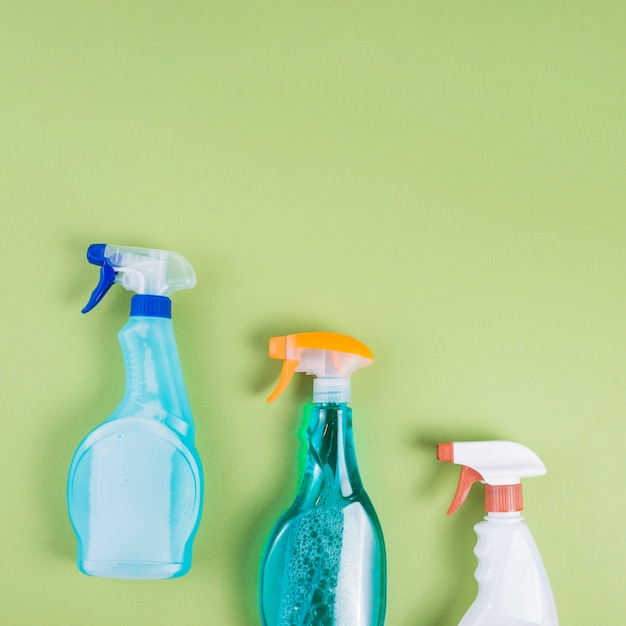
(331, 455)
(154, 381)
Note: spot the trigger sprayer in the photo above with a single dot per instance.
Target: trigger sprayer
(142, 270)
(135, 484)
(513, 584)
(330, 357)
(324, 562)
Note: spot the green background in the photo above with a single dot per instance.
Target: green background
(443, 180)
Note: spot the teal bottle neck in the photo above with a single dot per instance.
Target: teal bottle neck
(331, 459)
(155, 388)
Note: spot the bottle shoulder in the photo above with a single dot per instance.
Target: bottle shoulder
(147, 329)
(506, 540)
(142, 430)
(513, 584)
(325, 493)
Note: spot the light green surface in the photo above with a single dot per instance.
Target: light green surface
(444, 181)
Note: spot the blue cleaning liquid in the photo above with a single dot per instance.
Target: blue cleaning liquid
(325, 561)
(135, 484)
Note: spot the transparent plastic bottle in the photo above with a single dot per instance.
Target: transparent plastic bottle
(135, 484)
(324, 563)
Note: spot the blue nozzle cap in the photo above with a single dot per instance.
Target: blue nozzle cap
(95, 253)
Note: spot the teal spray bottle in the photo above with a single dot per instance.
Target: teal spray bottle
(513, 587)
(324, 563)
(135, 484)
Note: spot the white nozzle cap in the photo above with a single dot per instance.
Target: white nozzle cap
(498, 462)
(149, 271)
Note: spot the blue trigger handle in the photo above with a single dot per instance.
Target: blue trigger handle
(95, 255)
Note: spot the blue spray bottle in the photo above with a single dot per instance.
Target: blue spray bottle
(324, 564)
(135, 484)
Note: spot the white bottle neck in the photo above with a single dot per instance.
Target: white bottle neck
(331, 390)
(510, 517)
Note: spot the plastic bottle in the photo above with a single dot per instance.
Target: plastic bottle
(324, 563)
(513, 587)
(135, 484)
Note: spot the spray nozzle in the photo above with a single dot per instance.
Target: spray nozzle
(142, 270)
(330, 357)
(500, 465)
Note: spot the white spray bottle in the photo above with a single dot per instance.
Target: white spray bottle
(513, 587)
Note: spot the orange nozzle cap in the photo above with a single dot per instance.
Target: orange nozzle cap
(445, 452)
(278, 348)
(318, 341)
(504, 498)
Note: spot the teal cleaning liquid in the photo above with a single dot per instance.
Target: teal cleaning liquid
(324, 563)
(325, 560)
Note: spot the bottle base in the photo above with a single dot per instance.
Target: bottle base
(134, 570)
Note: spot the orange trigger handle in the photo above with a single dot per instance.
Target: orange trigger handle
(467, 478)
(286, 374)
